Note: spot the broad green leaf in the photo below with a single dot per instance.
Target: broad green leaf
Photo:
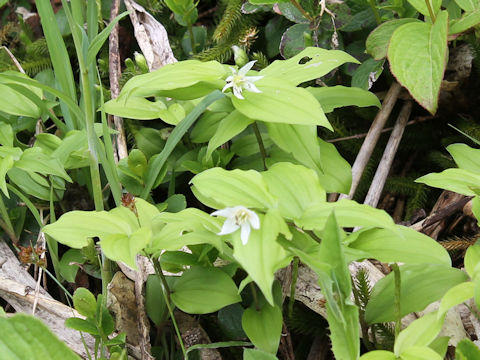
(34, 160)
(264, 2)
(319, 62)
(465, 157)
(5, 164)
(253, 354)
(440, 345)
(135, 107)
(14, 103)
(6, 134)
(174, 76)
(280, 102)
(207, 125)
(456, 295)
(219, 188)
(378, 40)
(230, 126)
(468, 5)
(421, 284)
(423, 47)
(24, 337)
(32, 184)
(472, 259)
(468, 20)
(85, 302)
(263, 327)
(467, 350)
(339, 96)
(348, 214)
(262, 255)
(68, 271)
(293, 39)
(421, 332)
(74, 228)
(367, 73)
(230, 321)
(422, 8)
(295, 186)
(337, 172)
(82, 325)
(204, 290)
(420, 353)
(378, 355)
(122, 247)
(300, 141)
(403, 245)
(456, 180)
(155, 305)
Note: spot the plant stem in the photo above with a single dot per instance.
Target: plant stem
(255, 297)
(192, 39)
(260, 144)
(6, 219)
(398, 316)
(293, 286)
(166, 294)
(373, 5)
(430, 10)
(302, 10)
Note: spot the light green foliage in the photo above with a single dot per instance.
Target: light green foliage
(468, 20)
(422, 8)
(204, 290)
(339, 96)
(423, 47)
(263, 327)
(467, 350)
(25, 337)
(252, 354)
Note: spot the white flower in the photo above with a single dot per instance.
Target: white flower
(238, 217)
(238, 81)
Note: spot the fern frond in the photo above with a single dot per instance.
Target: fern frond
(34, 66)
(458, 243)
(262, 61)
(363, 286)
(306, 322)
(231, 16)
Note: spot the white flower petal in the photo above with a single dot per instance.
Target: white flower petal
(229, 85)
(253, 78)
(254, 219)
(233, 70)
(238, 92)
(227, 212)
(251, 87)
(230, 78)
(245, 233)
(246, 68)
(229, 226)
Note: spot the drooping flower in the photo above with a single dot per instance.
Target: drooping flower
(238, 81)
(238, 217)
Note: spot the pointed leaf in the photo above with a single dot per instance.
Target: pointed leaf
(264, 327)
(423, 47)
(465, 157)
(456, 180)
(333, 97)
(468, 20)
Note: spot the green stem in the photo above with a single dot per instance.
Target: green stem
(166, 294)
(430, 10)
(302, 10)
(260, 144)
(373, 6)
(6, 218)
(398, 283)
(255, 297)
(192, 39)
(293, 286)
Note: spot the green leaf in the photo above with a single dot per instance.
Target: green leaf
(465, 157)
(24, 337)
(295, 186)
(136, 107)
(456, 295)
(456, 180)
(420, 353)
(5, 164)
(76, 227)
(472, 259)
(14, 103)
(421, 285)
(339, 96)
(262, 255)
(468, 5)
(253, 354)
(337, 172)
(34, 160)
(230, 321)
(467, 350)
(219, 188)
(293, 39)
(82, 325)
(180, 75)
(403, 245)
(423, 47)
(319, 62)
(378, 355)
(367, 73)
(6, 134)
(260, 2)
(123, 247)
(421, 6)
(263, 327)
(468, 20)
(230, 126)
(155, 305)
(85, 302)
(280, 102)
(378, 40)
(348, 213)
(440, 345)
(204, 290)
(68, 271)
(300, 141)
(421, 332)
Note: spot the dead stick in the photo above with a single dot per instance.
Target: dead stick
(372, 137)
(383, 168)
(115, 71)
